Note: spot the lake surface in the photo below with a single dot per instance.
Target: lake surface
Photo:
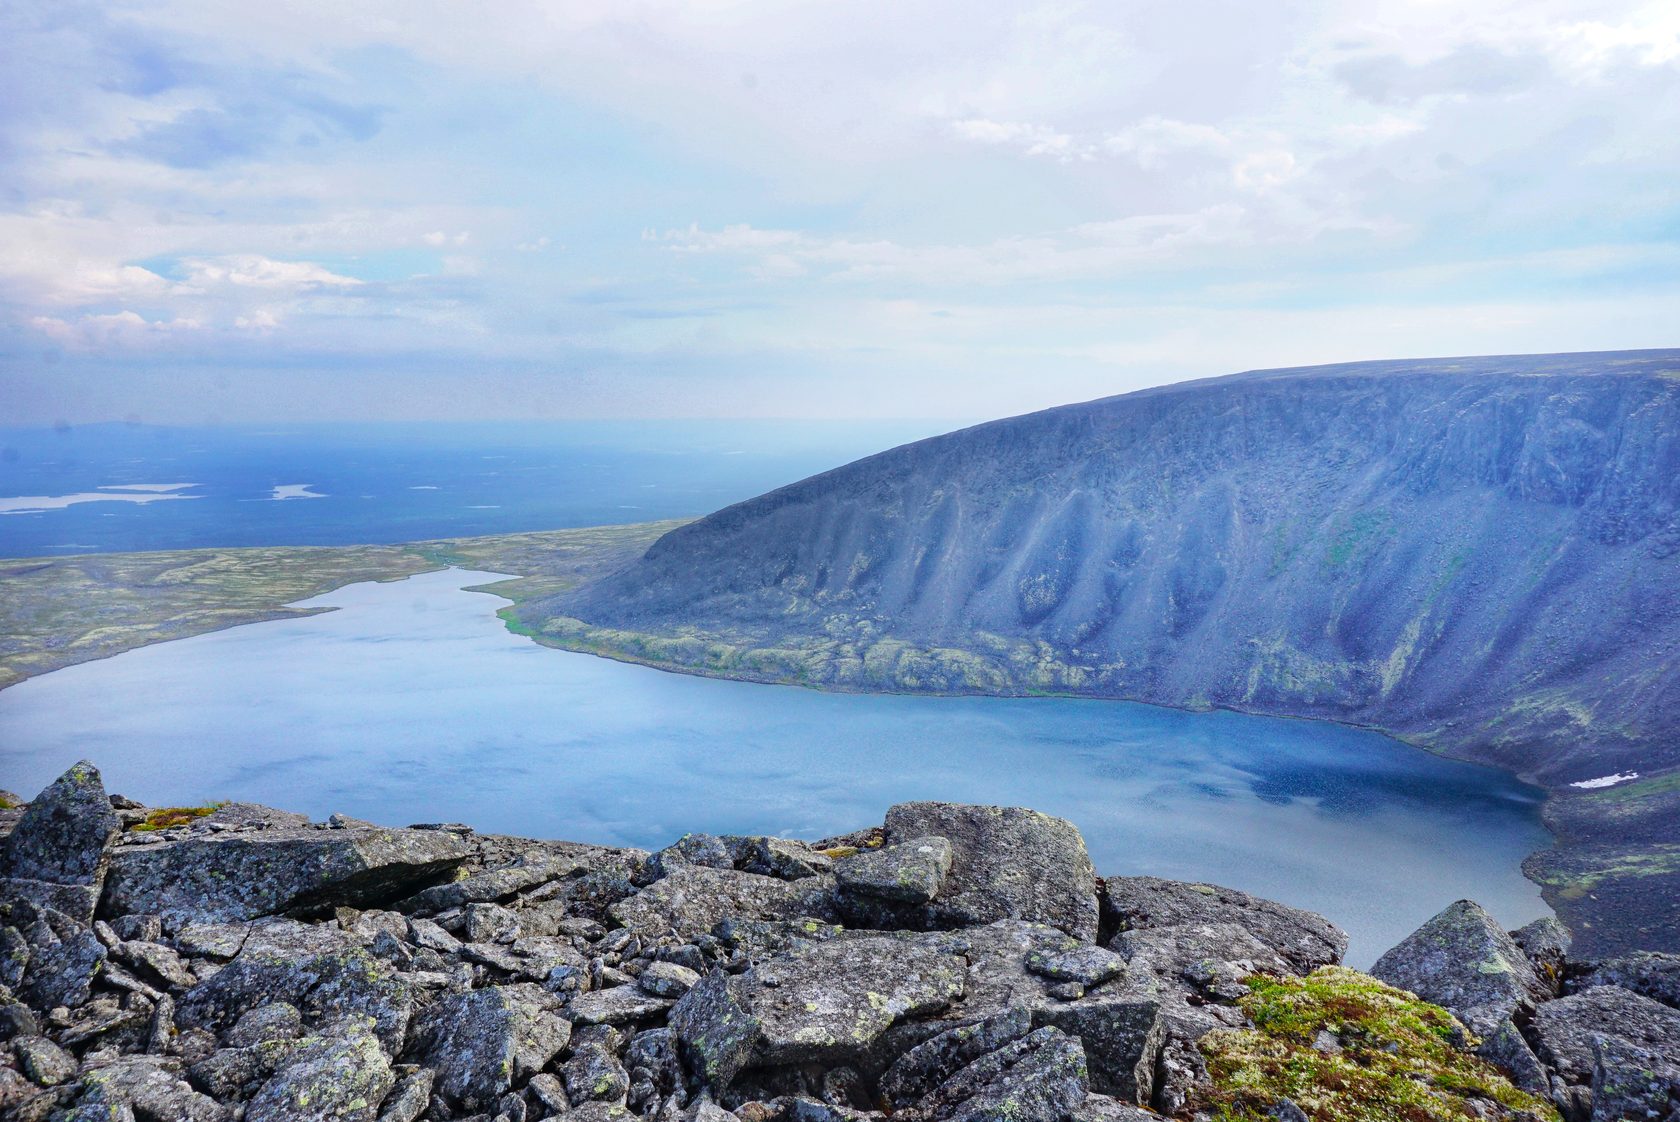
(412, 703)
(114, 487)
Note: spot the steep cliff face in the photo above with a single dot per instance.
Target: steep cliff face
(1481, 554)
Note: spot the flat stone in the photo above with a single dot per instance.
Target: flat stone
(481, 1043)
(1006, 863)
(1087, 965)
(45, 1063)
(923, 1068)
(337, 1076)
(1122, 1038)
(1564, 1030)
(321, 971)
(1647, 973)
(145, 1087)
(667, 979)
(489, 886)
(912, 872)
(1631, 1082)
(1038, 1078)
(616, 1005)
(1304, 939)
(234, 876)
(784, 858)
(692, 899)
(820, 1003)
(61, 972)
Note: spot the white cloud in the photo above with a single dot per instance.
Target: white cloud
(117, 331)
(251, 270)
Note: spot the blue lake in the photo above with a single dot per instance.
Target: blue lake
(412, 703)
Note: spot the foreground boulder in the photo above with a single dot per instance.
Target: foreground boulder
(289, 869)
(483, 1042)
(1302, 938)
(942, 968)
(818, 1003)
(1006, 863)
(1463, 961)
(55, 856)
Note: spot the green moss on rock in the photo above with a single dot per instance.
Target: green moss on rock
(1344, 1047)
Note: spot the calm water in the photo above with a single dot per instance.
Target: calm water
(73, 490)
(413, 703)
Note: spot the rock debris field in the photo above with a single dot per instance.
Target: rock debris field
(955, 964)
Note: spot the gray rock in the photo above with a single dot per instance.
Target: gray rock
(1304, 939)
(1101, 1108)
(594, 1073)
(1630, 1082)
(912, 872)
(667, 979)
(56, 854)
(274, 1021)
(598, 1112)
(1463, 961)
(1038, 1078)
(490, 923)
(617, 1005)
(1647, 973)
(1546, 943)
(61, 972)
(490, 885)
(157, 960)
(692, 899)
(320, 970)
(821, 1003)
(340, 1075)
(1006, 863)
(1087, 965)
(1211, 959)
(45, 1063)
(923, 1068)
(706, 850)
(237, 1073)
(1564, 1030)
(1122, 1039)
(147, 1088)
(232, 876)
(785, 858)
(17, 1020)
(484, 1042)
(408, 1099)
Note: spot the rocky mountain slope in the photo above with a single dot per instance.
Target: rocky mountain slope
(956, 964)
(1481, 555)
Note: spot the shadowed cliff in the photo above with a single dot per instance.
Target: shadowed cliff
(1478, 554)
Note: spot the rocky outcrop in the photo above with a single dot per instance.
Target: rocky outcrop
(433, 975)
(55, 855)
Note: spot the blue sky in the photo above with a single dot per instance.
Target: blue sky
(213, 210)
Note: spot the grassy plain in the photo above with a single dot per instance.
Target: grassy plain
(59, 611)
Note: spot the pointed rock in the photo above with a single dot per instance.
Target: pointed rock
(56, 855)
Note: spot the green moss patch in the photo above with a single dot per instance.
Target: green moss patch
(168, 817)
(1344, 1047)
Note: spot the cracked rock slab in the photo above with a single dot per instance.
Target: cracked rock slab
(818, 1003)
(238, 876)
(1006, 863)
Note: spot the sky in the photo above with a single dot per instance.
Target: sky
(218, 210)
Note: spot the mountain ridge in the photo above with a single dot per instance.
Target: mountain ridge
(1413, 546)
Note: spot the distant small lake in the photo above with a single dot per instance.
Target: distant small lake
(412, 703)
